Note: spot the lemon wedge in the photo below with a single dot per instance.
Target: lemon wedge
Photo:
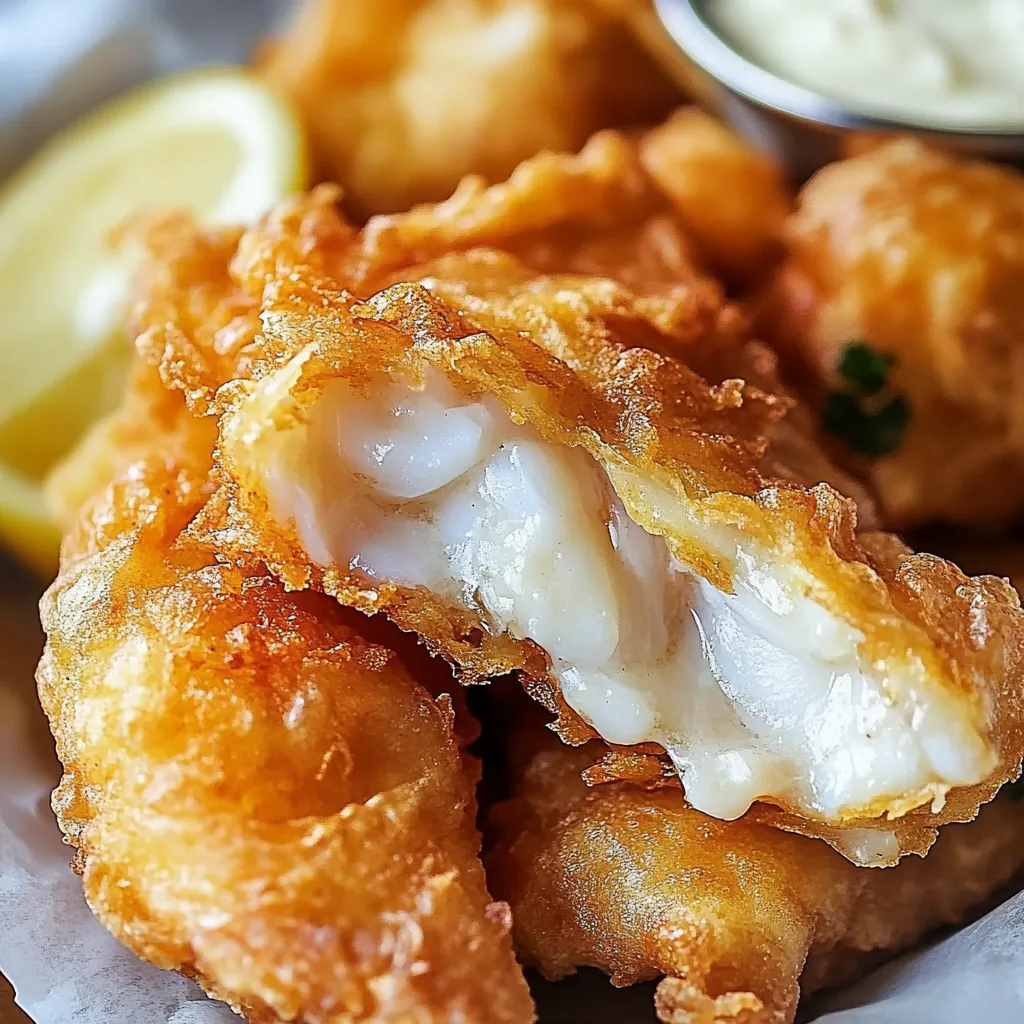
(215, 142)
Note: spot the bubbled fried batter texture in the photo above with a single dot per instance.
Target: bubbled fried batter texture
(739, 918)
(258, 797)
(606, 211)
(512, 292)
(597, 215)
(921, 254)
(403, 98)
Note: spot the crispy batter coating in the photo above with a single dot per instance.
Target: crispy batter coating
(597, 213)
(151, 419)
(921, 254)
(403, 98)
(258, 797)
(739, 918)
(689, 456)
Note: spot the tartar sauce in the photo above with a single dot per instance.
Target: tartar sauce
(952, 63)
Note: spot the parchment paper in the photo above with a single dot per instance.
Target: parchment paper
(58, 58)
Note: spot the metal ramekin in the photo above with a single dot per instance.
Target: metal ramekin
(803, 128)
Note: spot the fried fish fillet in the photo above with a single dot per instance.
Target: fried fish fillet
(496, 453)
(258, 797)
(921, 255)
(403, 98)
(739, 918)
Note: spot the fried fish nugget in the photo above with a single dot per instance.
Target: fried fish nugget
(482, 453)
(403, 98)
(921, 255)
(737, 917)
(258, 797)
(732, 198)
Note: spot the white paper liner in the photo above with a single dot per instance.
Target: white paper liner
(974, 977)
(64, 966)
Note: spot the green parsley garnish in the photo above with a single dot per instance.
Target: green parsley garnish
(864, 369)
(868, 433)
(861, 413)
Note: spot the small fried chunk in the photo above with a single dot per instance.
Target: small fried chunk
(731, 198)
(920, 255)
(258, 797)
(403, 98)
(740, 918)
